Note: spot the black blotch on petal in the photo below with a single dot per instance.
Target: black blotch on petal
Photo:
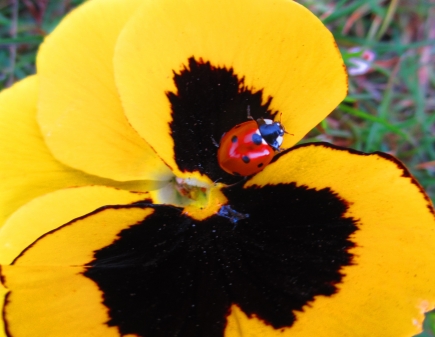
(294, 244)
(171, 275)
(209, 101)
(162, 278)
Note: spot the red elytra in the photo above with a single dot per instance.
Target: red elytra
(243, 151)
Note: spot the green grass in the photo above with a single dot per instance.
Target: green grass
(21, 34)
(389, 109)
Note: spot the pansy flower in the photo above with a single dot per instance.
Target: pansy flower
(119, 220)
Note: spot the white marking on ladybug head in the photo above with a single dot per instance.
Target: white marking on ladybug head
(263, 141)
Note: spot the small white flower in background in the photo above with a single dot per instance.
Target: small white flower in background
(360, 64)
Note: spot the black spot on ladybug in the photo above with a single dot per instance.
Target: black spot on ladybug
(237, 174)
(256, 139)
(246, 159)
(260, 165)
(234, 139)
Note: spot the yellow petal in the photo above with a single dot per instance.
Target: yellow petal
(275, 46)
(80, 112)
(27, 168)
(390, 284)
(53, 293)
(50, 295)
(52, 210)
(49, 286)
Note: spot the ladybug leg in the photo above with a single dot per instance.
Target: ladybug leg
(227, 212)
(240, 181)
(228, 186)
(261, 121)
(215, 143)
(248, 110)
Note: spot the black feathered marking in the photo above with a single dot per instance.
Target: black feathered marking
(209, 101)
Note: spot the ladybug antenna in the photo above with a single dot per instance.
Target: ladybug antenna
(283, 128)
(287, 133)
(237, 183)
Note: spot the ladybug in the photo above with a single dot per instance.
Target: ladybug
(248, 147)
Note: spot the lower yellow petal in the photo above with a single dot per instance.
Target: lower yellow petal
(52, 210)
(36, 218)
(391, 283)
(50, 295)
(80, 112)
(240, 325)
(44, 296)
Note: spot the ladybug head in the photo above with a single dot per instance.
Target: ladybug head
(272, 132)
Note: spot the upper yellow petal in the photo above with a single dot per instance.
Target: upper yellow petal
(27, 167)
(390, 285)
(277, 46)
(80, 112)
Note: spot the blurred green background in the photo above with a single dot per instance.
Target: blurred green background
(391, 103)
